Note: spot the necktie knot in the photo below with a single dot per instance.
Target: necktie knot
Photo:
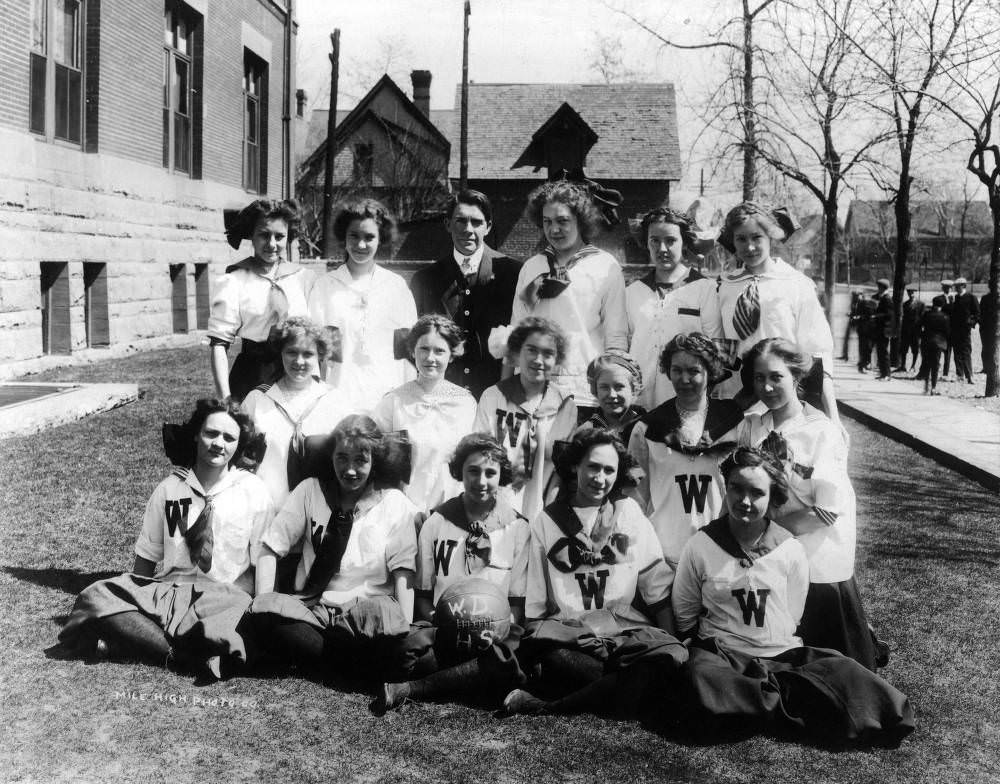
(467, 265)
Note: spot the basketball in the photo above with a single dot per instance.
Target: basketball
(470, 616)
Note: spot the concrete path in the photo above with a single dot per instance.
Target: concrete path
(956, 434)
(66, 402)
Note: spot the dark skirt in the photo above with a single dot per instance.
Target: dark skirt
(835, 618)
(615, 649)
(256, 364)
(817, 691)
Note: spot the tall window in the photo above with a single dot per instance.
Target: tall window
(56, 67)
(364, 163)
(254, 123)
(180, 26)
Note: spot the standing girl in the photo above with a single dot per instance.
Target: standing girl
(573, 284)
(766, 298)
(254, 295)
(367, 305)
(526, 413)
(295, 406)
(672, 298)
(435, 412)
(821, 505)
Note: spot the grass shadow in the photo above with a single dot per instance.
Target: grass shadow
(70, 581)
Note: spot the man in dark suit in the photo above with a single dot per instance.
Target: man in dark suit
(945, 300)
(865, 316)
(964, 316)
(883, 325)
(909, 334)
(474, 286)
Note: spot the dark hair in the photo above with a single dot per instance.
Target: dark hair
(528, 327)
(453, 334)
(362, 430)
(582, 442)
(667, 215)
(484, 444)
(361, 210)
(575, 196)
(297, 327)
(799, 362)
(186, 451)
(471, 198)
(697, 345)
(614, 359)
(240, 225)
(749, 457)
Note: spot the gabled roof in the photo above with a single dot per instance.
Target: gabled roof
(348, 123)
(636, 125)
(929, 218)
(565, 119)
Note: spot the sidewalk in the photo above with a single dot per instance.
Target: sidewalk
(955, 434)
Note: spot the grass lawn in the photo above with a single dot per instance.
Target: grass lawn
(72, 501)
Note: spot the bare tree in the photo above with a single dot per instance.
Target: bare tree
(812, 135)
(906, 45)
(607, 59)
(736, 102)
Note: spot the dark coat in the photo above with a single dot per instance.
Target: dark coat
(934, 329)
(477, 307)
(964, 313)
(913, 309)
(884, 318)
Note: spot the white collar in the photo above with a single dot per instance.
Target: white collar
(475, 259)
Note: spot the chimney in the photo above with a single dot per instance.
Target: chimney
(422, 90)
(300, 102)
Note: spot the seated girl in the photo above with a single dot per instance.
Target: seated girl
(740, 591)
(591, 553)
(678, 445)
(354, 585)
(821, 507)
(295, 406)
(476, 534)
(526, 413)
(435, 412)
(738, 594)
(193, 573)
(615, 381)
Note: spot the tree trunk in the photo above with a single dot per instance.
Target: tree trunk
(830, 261)
(990, 332)
(903, 223)
(749, 118)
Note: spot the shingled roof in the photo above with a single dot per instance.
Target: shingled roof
(636, 125)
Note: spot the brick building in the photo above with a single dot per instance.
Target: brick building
(127, 127)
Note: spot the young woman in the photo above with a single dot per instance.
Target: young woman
(820, 510)
(474, 535)
(353, 596)
(591, 553)
(737, 597)
(616, 381)
(766, 298)
(435, 412)
(367, 305)
(739, 593)
(293, 407)
(254, 295)
(526, 413)
(573, 284)
(193, 574)
(678, 445)
(673, 298)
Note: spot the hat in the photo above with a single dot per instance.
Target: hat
(911, 286)
(947, 282)
(961, 282)
(883, 282)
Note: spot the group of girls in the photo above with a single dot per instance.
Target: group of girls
(693, 560)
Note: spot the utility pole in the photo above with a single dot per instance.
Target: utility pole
(463, 170)
(331, 149)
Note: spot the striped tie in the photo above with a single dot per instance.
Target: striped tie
(199, 537)
(746, 317)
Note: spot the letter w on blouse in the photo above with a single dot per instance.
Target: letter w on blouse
(176, 513)
(750, 606)
(442, 555)
(591, 589)
(694, 490)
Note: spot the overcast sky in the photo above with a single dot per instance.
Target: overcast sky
(516, 41)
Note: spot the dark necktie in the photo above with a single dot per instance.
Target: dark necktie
(199, 537)
(746, 317)
(329, 545)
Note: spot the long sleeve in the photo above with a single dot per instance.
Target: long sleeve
(639, 449)
(614, 315)
(686, 598)
(536, 603)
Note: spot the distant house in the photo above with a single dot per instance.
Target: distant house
(950, 238)
(387, 148)
(622, 135)
(126, 129)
